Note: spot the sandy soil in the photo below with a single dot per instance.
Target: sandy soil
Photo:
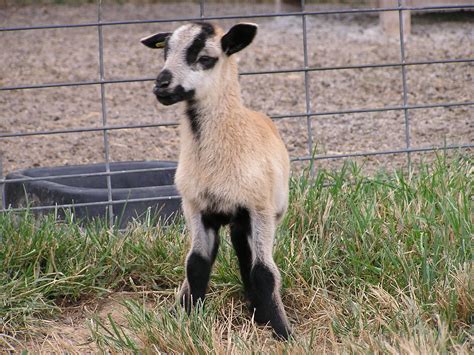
(64, 55)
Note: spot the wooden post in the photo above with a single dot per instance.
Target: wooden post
(287, 5)
(389, 20)
(277, 6)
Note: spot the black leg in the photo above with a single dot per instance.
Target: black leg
(240, 231)
(267, 302)
(215, 248)
(198, 267)
(212, 222)
(198, 271)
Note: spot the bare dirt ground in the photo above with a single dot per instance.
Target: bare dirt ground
(65, 55)
(71, 331)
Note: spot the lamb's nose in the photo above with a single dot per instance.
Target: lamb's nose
(164, 79)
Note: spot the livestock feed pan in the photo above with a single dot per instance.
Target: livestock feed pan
(158, 183)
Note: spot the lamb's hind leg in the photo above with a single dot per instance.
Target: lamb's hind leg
(240, 233)
(265, 276)
(201, 257)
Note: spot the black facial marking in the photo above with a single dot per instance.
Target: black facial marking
(207, 62)
(207, 30)
(193, 116)
(167, 47)
(240, 231)
(164, 79)
(167, 97)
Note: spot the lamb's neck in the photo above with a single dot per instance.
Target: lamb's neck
(219, 102)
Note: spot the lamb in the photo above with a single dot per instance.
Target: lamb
(233, 166)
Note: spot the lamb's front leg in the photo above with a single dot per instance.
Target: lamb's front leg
(201, 257)
(265, 276)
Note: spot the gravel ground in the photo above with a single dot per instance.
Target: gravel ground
(64, 55)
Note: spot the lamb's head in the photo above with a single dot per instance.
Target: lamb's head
(196, 56)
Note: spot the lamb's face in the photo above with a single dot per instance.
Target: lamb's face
(194, 56)
(192, 61)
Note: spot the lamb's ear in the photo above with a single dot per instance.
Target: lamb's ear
(238, 37)
(156, 41)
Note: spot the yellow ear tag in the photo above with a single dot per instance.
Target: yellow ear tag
(159, 44)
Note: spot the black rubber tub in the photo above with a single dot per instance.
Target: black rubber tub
(78, 190)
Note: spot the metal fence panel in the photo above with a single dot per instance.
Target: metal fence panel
(308, 114)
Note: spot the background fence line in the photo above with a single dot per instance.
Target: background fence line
(306, 69)
(242, 16)
(244, 73)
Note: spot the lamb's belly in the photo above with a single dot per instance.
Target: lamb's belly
(218, 192)
(212, 196)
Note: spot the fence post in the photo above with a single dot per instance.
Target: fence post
(389, 20)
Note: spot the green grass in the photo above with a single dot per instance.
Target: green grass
(379, 264)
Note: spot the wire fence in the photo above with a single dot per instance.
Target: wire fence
(308, 114)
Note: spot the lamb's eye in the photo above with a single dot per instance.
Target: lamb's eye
(207, 62)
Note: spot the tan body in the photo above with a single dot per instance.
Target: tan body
(239, 159)
(233, 167)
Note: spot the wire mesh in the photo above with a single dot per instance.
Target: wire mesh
(110, 207)
(309, 113)
(404, 81)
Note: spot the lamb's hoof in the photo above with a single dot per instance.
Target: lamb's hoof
(282, 335)
(257, 316)
(184, 297)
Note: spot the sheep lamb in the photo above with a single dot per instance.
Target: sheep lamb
(233, 166)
